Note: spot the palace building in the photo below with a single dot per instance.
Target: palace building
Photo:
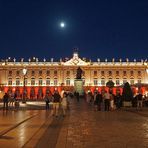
(35, 78)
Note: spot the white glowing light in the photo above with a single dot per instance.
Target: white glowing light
(62, 24)
(24, 71)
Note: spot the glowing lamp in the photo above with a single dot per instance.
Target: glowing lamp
(24, 71)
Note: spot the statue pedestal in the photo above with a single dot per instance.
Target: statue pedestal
(78, 86)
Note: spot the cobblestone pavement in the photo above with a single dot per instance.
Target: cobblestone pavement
(85, 128)
(81, 128)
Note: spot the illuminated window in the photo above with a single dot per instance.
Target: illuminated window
(95, 82)
(25, 81)
(68, 82)
(55, 81)
(117, 82)
(17, 81)
(48, 81)
(131, 81)
(40, 82)
(10, 81)
(32, 81)
(102, 81)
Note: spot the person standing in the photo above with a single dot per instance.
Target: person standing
(56, 103)
(112, 101)
(118, 101)
(139, 101)
(99, 98)
(64, 103)
(107, 100)
(5, 101)
(47, 101)
(96, 101)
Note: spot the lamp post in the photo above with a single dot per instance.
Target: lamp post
(24, 94)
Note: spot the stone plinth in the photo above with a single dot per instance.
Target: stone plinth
(78, 86)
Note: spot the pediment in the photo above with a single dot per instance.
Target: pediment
(76, 61)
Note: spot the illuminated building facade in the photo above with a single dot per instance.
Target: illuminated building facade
(44, 76)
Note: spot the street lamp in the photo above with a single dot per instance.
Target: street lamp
(24, 74)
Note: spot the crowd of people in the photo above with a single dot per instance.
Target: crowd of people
(104, 101)
(9, 100)
(58, 103)
(107, 101)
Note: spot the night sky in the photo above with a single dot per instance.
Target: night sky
(97, 28)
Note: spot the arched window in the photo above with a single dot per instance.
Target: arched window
(102, 81)
(95, 82)
(55, 81)
(40, 81)
(17, 81)
(117, 81)
(68, 82)
(47, 81)
(131, 81)
(32, 81)
(26, 81)
(10, 81)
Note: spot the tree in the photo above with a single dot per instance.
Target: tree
(110, 84)
(127, 93)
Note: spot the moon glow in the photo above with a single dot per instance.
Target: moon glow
(62, 24)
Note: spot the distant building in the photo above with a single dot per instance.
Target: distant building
(44, 76)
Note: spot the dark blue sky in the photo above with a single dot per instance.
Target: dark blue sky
(98, 28)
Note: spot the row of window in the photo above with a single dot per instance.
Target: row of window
(55, 82)
(117, 81)
(110, 73)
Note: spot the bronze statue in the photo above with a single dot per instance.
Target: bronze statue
(79, 73)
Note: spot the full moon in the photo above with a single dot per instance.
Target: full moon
(62, 24)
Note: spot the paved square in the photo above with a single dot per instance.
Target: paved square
(81, 128)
